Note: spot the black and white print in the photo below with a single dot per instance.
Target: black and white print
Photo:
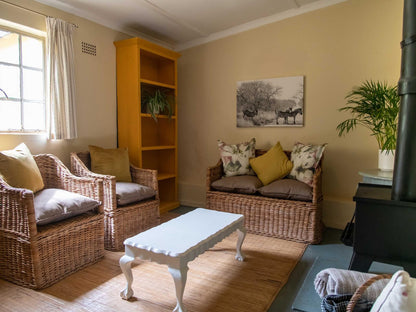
(270, 102)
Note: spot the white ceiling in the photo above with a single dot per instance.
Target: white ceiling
(180, 24)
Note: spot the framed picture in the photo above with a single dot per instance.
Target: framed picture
(276, 102)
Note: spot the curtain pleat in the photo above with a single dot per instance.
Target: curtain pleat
(61, 80)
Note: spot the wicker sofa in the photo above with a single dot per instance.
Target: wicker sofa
(296, 220)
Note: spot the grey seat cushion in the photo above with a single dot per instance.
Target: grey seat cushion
(244, 184)
(287, 189)
(53, 205)
(128, 192)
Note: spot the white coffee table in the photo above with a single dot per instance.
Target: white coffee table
(179, 241)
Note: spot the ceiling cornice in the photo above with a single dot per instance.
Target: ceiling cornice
(258, 23)
(208, 38)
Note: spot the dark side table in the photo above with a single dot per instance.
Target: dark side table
(385, 229)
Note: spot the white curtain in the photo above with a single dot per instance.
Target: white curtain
(60, 80)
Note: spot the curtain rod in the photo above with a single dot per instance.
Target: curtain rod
(33, 11)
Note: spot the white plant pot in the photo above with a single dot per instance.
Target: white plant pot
(386, 160)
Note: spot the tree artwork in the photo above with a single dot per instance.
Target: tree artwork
(270, 102)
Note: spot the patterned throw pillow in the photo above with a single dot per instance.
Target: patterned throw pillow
(305, 159)
(235, 158)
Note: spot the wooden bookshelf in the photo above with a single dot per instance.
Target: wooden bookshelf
(143, 66)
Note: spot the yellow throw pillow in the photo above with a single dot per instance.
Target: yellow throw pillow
(19, 169)
(272, 165)
(111, 161)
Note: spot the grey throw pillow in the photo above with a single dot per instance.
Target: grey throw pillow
(128, 192)
(244, 184)
(53, 205)
(288, 189)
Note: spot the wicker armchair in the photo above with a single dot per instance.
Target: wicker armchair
(37, 256)
(122, 222)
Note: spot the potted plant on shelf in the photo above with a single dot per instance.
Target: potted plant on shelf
(374, 105)
(159, 102)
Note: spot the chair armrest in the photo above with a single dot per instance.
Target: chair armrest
(17, 212)
(147, 177)
(214, 173)
(79, 168)
(56, 175)
(317, 186)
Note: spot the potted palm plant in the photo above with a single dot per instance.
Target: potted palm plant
(374, 105)
(158, 102)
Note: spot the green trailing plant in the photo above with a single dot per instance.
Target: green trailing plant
(374, 105)
(159, 102)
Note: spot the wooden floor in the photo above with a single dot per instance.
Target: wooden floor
(96, 288)
(15, 298)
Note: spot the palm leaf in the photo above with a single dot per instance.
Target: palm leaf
(374, 105)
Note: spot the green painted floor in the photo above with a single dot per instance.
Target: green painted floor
(299, 293)
(314, 253)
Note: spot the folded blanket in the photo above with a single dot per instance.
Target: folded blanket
(340, 282)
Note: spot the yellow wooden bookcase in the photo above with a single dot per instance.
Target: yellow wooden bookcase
(145, 66)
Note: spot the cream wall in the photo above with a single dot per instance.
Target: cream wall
(95, 83)
(335, 48)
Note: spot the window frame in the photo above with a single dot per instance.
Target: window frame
(21, 100)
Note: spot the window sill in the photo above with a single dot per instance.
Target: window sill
(39, 133)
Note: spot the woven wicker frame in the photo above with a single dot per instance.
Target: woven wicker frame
(360, 290)
(38, 256)
(125, 221)
(287, 219)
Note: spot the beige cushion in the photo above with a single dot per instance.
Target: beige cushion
(287, 189)
(235, 158)
(399, 295)
(128, 192)
(19, 169)
(272, 165)
(111, 161)
(53, 205)
(245, 184)
(305, 158)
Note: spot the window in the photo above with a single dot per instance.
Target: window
(22, 77)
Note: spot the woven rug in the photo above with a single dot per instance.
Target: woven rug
(216, 282)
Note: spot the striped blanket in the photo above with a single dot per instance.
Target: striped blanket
(340, 282)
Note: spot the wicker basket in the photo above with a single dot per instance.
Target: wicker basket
(38, 256)
(360, 290)
(287, 219)
(129, 220)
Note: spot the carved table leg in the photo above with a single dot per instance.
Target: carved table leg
(125, 265)
(241, 235)
(179, 277)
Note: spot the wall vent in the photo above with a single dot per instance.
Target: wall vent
(89, 48)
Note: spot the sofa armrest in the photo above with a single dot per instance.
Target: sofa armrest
(147, 177)
(317, 186)
(214, 173)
